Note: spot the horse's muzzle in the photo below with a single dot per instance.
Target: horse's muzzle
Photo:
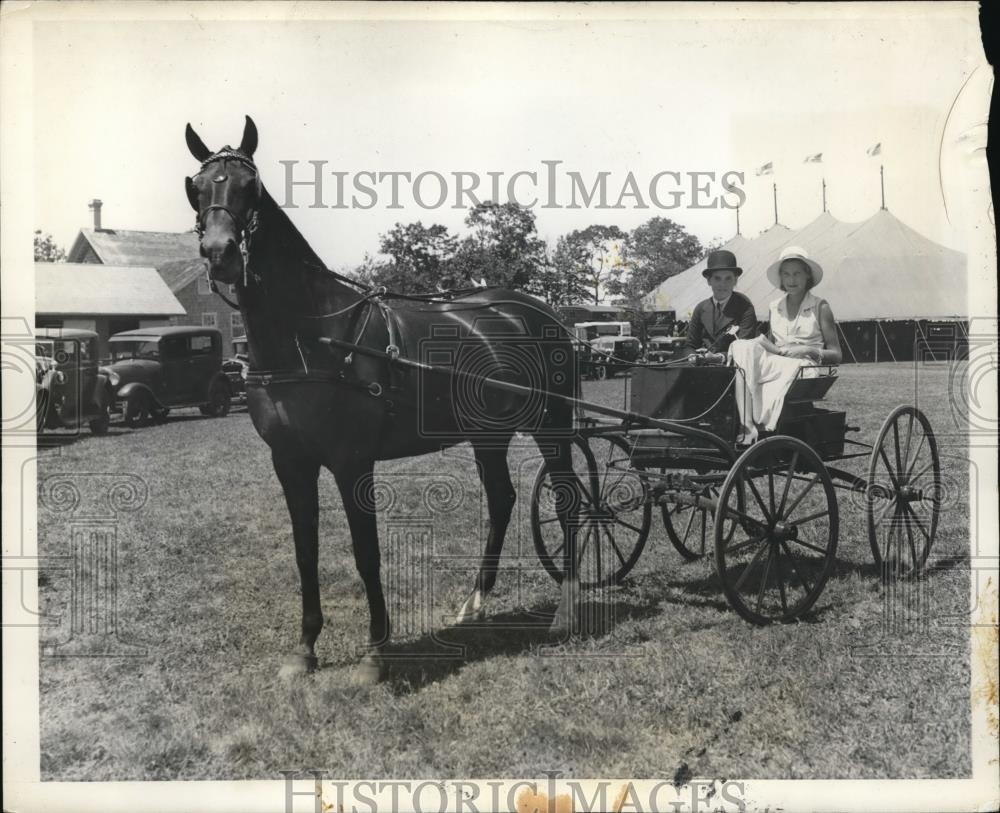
(225, 264)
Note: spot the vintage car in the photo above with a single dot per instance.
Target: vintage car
(663, 348)
(162, 368)
(70, 386)
(236, 368)
(609, 355)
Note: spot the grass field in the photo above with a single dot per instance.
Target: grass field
(677, 686)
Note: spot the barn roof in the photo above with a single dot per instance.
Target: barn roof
(96, 289)
(877, 269)
(150, 249)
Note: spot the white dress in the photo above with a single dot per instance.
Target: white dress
(761, 390)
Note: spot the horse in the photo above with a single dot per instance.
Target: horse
(323, 390)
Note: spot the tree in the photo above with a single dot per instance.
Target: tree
(46, 250)
(652, 252)
(503, 249)
(595, 255)
(558, 279)
(419, 257)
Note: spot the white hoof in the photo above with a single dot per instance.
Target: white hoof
(472, 611)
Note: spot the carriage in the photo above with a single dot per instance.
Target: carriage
(768, 514)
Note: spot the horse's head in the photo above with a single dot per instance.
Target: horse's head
(226, 193)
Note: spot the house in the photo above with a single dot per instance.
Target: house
(104, 298)
(175, 256)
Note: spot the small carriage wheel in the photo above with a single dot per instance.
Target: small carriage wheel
(902, 500)
(689, 527)
(783, 500)
(613, 528)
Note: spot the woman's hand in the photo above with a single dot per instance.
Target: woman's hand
(801, 351)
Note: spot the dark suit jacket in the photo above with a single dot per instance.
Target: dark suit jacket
(702, 332)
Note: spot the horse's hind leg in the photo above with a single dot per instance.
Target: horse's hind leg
(367, 558)
(299, 480)
(500, 496)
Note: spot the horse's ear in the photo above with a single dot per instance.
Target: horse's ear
(195, 144)
(248, 146)
(192, 193)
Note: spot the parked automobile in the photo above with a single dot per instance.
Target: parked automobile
(71, 388)
(163, 368)
(236, 368)
(662, 348)
(610, 355)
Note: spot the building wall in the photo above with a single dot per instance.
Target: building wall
(88, 255)
(201, 304)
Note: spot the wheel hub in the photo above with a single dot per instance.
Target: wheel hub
(783, 531)
(910, 494)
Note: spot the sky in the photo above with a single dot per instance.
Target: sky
(721, 93)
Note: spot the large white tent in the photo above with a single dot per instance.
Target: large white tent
(879, 269)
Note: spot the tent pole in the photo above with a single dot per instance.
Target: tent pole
(824, 195)
(737, 219)
(881, 176)
(925, 343)
(774, 188)
(847, 344)
(889, 346)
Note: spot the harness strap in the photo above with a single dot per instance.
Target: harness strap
(266, 378)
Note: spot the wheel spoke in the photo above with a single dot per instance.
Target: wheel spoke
(811, 546)
(913, 548)
(888, 467)
(781, 581)
(760, 501)
(746, 543)
(922, 472)
(878, 520)
(597, 552)
(687, 528)
(750, 566)
(916, 456)
(628, 525)
(788, 484)
(763, 582)
(811, 517)
(795, 567)
(614, 545)
(917, 521)
(770, 489)
(704, 529)
(802, 494)
(906, 452)
(895, 438)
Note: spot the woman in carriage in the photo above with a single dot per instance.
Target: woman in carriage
(802, 334)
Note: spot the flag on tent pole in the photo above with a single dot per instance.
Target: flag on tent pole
(875, 150)
(814, 159)
(766, 169)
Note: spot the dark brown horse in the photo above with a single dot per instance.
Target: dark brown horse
(317, 404)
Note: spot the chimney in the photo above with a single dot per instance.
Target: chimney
(95, 207)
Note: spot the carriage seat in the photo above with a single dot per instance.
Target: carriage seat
(822, 429)
(812, 384)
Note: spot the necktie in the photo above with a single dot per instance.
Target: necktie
(718, 317)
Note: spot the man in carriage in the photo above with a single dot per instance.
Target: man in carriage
(726, 315)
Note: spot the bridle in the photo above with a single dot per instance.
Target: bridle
(245, 228)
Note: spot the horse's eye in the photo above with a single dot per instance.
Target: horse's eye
(218, 179)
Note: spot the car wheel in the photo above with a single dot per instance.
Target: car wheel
(600, 372)
(160, 415)
(218, 401)
(99, 425)
(137, 410)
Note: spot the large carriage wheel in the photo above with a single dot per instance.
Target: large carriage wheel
(689, 527)
(613, 516)
(902, 501)
(774, 567)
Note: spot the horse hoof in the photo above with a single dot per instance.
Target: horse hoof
(472, 610)
(296, 666)
(368, 672)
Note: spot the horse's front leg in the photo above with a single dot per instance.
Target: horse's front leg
(299, 479)
(367, 559)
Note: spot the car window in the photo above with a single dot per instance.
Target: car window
(140, 349)
(201, 345)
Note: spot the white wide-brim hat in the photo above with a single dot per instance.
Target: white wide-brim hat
(794, 253)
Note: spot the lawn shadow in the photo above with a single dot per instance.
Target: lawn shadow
(412, 665)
